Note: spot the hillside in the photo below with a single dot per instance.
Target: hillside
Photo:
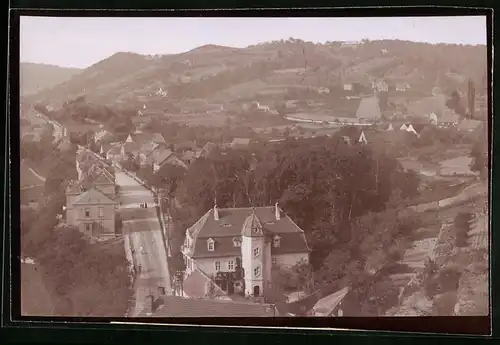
(36, 77)
(273, 71)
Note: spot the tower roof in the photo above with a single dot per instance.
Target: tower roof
(252, 226)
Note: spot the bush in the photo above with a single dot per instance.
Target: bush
(444, 304)
(462, 228)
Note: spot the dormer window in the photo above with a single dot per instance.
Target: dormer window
(237, 242)
(276, 241)
(211, 245)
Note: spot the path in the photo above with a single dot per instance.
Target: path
(37, 175)
(143, 229)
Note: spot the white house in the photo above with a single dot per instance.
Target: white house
(390, 128)
(348, 87)
(259, 238)
(403, 127)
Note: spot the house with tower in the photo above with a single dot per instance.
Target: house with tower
(250, 240)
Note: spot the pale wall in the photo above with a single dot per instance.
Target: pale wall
(77, 216)
(208, 265)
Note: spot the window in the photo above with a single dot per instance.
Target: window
(211, 245)
(87, 212)
(256, 252)
(101, 224)
(274, 261)
(217, 266)
(230, 265)
(101, 212)
(87, 227)
(276, 242)
(256, 271)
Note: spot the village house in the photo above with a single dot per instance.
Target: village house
(160, 157)
(90, 204)
(256, 239)
(145, 150)
(348, 87)
(380, 86)
(448, 118)
(92, 213)
(113, 153)
(207, 149)
(402, 87)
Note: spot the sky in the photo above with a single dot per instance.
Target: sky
(82, 41)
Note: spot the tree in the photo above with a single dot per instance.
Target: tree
(471, 93)
(479, 153)
(462, 228)
(455, 103)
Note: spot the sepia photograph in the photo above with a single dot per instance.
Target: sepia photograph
(222, 167)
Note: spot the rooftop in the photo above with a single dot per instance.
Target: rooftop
(92, 196)
(173, 306)
(231, 225)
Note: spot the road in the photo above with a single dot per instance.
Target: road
(145, 237)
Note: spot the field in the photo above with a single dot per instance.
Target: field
(35, 298)
(458, 165)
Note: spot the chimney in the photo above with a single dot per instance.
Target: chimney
(149, 308)
(277, 212)
(216, 212)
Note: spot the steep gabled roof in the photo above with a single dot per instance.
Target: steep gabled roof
(157, 138)
(162, 156)
(231, 224)
(92, 196)
(327, 305)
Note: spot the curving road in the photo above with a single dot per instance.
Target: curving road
(143, 230)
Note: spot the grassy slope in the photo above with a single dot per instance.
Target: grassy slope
(35, 298)
(38, 77)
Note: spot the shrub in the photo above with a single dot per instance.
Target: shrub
(444, 304)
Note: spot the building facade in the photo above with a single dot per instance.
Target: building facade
(251, 239)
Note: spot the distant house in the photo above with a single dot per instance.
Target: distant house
(403, 127)
(165, 156)
(433, 119)
(448, 118)
(145, 150)
(331, 305)
(402, 87)
(369, 109)
(467, 125)
(323, 90)
(158, 138)
(238, 143)
(390, 128)
(411, 129)
(362, 138)
(114, 152)
(380, 86)
(207, 149)
(348, 87)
